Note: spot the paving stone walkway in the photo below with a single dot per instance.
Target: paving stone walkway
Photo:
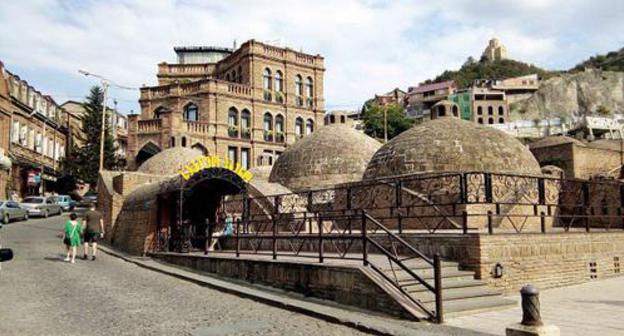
(593, 308)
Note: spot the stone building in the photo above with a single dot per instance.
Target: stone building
(582, 160)
(495, 51)
(482, 105)
(5, 130)
(420, 99)
(246, 104)
(117, 121)
(37, 137)
(396, 97)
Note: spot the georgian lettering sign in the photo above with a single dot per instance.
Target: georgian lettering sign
(206, 162)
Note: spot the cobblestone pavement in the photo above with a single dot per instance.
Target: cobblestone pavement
(593, 308)
(42, 295)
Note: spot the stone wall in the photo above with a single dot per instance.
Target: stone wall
(343, 284)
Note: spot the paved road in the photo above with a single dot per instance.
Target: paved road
(42, 295)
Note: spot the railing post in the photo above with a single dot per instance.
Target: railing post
(237, 237)
(400, 222)
(541, 190)
(462, 188)
(543, 221)
(397, 193)
(274, 238)
(488, 187)
(437, 274)
(320, 236)
(364, 240)
(464, 222)
(489, 222)
(587, 215)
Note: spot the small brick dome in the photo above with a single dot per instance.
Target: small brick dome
(169, 161)
(331, 155)
(451, 145)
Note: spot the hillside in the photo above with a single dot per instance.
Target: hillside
(577, 93)
(506, 68)
(612, 61)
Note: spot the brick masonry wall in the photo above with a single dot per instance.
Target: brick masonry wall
(345, 285)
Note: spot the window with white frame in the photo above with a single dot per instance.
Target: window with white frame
(15, 132)
(22, 135)
(31, 138)
(38, 143)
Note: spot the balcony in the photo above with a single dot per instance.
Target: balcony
(299, 101)
(309, 102)
(279, 137)
(197, 127)
(246, 133)
(149, 126)
(239, 89)
(279, 97)
(268, 135)
(268, 95)
(233, 131)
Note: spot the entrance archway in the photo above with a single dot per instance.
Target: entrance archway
(199, 200)
(147, 151)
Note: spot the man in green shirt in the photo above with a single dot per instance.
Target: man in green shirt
(94, 225)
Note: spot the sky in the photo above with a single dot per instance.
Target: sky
(369, 46)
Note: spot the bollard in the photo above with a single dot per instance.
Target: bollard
(530, 306)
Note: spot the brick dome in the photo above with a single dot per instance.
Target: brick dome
(333, 154)
(169, 161)
(451, 145)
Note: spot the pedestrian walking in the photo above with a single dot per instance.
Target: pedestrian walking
(71, 237)
(94, 230)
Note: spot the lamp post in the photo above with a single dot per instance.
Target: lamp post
(105, 84)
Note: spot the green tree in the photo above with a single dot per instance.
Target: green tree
(602, 110)
(373, 118)
(86, 160)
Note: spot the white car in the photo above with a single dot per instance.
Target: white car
(41, 206)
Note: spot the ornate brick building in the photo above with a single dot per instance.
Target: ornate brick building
(246, 104)
(37, 136)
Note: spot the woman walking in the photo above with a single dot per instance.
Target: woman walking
(71, 235)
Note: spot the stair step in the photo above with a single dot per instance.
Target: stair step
(417, 266)
(460, 293)
(472, 305)
(446, 284)
(406, 279)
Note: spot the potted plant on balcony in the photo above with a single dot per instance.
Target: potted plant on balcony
(279, 97)
(299, 101)
(233, 130)
(246, 133)
(279, 136)
(309, 101)
(267, 95)
(268, 135)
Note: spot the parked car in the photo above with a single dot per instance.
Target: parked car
(10, 210)
(66, 202)
(90, 197)
(41, 206)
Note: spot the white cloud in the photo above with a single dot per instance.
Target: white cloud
(369, 46)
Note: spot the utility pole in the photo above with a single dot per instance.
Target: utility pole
(103, 128)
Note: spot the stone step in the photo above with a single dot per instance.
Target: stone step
(406, 279)
(474, 304)
(446, 284)
(419, 264)
(452, 294)
(447, 272)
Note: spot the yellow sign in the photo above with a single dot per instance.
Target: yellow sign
(206, 162)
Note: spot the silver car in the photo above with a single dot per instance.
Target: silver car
(41, 206)
(10, 210)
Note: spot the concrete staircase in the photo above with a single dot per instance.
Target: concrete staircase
(460, 291)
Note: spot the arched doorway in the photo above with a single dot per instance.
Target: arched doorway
(147, 151)
(199, 199)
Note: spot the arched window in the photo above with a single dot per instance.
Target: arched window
(191, 112)
(343, 119)
(480, 121)
(490, 121)
(234, 77)
(246, 124)
(332, 119)
(455, 111)
(479, 110)
(299, 127)
(227, 77)
(266, 80)
(233, 122)
(159, 111)
(268, 127)
(279, 81)
(279, 128)
(183, 141)
(172, 142)
(298, 85)
(490, 110)
(501, 120)
(441, 111)
(309, 87)
(309, 126)
(500, 110)
(200, 148)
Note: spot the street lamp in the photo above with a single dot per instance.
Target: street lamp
(105, 84)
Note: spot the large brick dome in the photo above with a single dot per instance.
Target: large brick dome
(451, 145)
(169, 161)
(331, 155)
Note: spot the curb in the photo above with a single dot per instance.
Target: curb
(353, 319)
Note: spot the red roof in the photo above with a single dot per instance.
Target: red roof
(432, 86)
